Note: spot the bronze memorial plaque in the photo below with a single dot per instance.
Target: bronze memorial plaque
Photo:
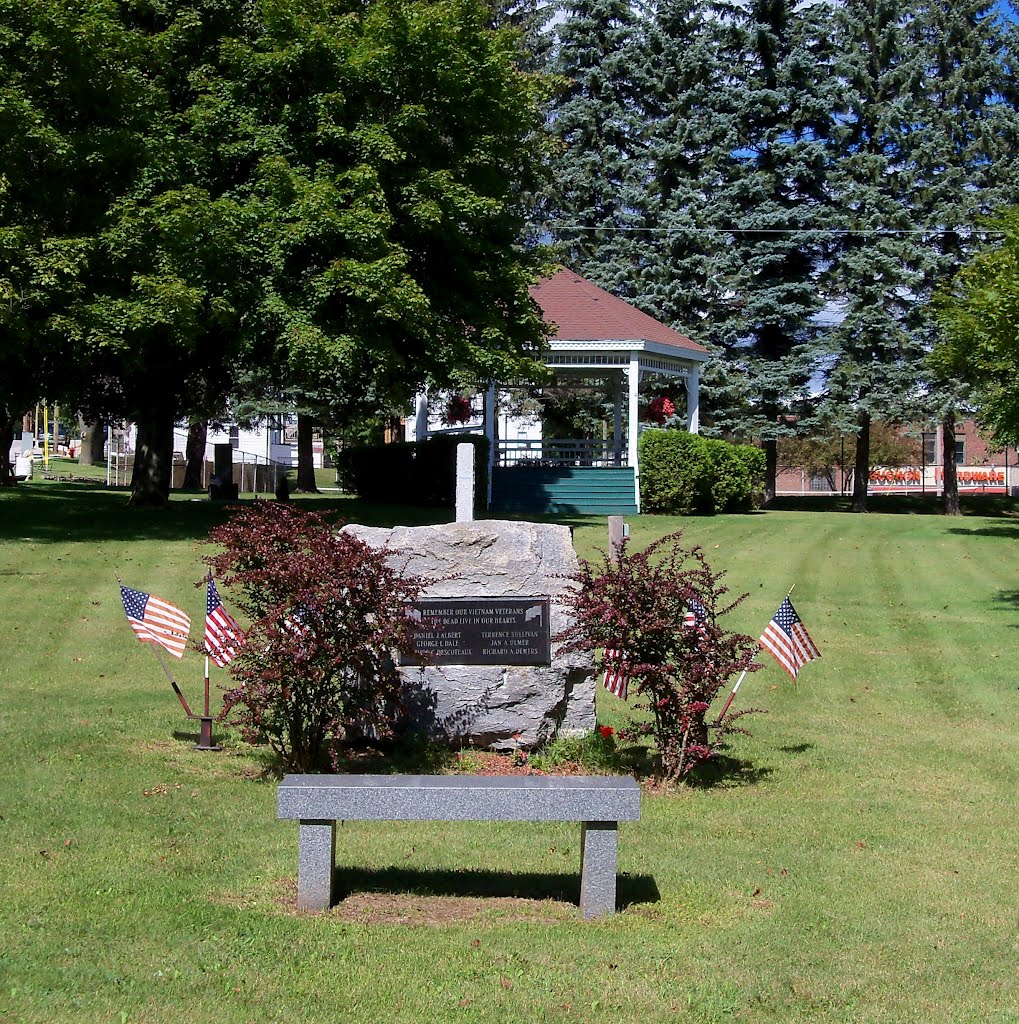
(483, 631)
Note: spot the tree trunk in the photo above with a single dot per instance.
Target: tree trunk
(305, 456)
(194, 453)
(153, 459)
(92, 444)
(861, 468)
(7, 424)
(951, 489)
(770, 470)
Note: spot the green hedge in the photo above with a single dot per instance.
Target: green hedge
(414, 472)
(686, 474)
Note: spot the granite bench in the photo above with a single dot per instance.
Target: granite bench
(598, 802)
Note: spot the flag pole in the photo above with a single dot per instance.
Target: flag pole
(732, 695)
(205, 732)
(743, 676)
(208, 580)
(173, 682)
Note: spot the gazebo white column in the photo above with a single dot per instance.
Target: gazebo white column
(633, 380)
(420, 415)
(693, 400)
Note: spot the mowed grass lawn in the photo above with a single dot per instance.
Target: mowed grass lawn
(854, 860)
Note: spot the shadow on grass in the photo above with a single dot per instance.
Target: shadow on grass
(530, 885)
(724, 772)
(636, 760)
(406, 758)
(991, 505)
(193, 739)
(61, 512)
(1006, 531)
(1008, 601)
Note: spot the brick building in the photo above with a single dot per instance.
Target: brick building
(982, 467)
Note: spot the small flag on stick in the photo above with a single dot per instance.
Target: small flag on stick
(615, 680)
(787, 639)
(156, 621)
(696, 616)
(223, 636)
(296, 620)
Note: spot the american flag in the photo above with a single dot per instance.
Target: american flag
(615, 680)
(696, 615)
(296, 621)
(223, 637)
(787, 639)
(155, 621)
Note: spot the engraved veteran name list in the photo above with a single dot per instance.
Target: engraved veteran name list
(483, 631)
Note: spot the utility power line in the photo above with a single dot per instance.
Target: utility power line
(958, 232)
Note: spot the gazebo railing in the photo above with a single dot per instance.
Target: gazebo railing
(574, 452)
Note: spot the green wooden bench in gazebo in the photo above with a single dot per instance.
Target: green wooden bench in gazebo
(595, 336)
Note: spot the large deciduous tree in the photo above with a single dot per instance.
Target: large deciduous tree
(322, 183)
(391, 184)
(979, 315)
(68, 146)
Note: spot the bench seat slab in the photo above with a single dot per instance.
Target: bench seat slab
(459, 798)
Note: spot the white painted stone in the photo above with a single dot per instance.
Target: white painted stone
(465, 482)
(488, 705)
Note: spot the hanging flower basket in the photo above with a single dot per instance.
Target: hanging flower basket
(458, 410)
(660, 409)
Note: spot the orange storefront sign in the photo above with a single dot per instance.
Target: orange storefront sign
(912, 477)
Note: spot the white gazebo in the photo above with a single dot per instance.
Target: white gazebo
(596, 335)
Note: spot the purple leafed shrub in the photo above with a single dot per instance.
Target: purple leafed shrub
(661, 607)
(326, 614)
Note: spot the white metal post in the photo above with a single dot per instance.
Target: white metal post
(421, 416)
(633, 373)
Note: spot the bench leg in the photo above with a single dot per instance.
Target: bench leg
(598, 845)
(315, 861)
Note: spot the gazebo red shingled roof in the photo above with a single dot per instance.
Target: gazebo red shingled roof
(582, 311)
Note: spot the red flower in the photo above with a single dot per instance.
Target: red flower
(458, 410)
(606, 731)
(660, 409)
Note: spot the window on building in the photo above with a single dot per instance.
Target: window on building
(235, 437)
(930, 446)
(960, 451)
